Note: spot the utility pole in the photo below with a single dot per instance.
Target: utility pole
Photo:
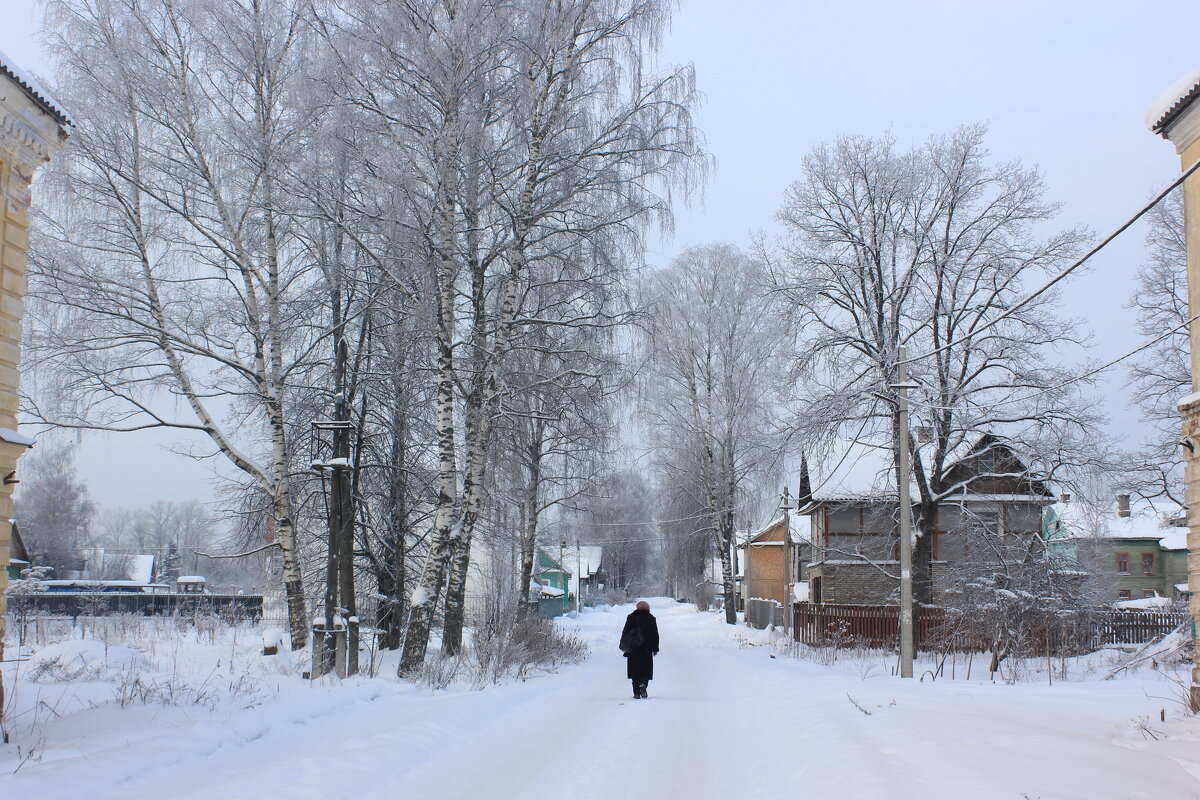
(902, 386)
(784, 506)
(562, 570)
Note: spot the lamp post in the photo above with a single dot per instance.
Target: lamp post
(901, 386)
(785, 505)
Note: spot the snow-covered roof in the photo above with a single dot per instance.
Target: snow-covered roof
(854, 471)
(549, 591)
(799, 526)
(12, 437)
(191, 579)
(34, 90)
(1175, 539)
(1182, 587)
(140, 568)
(585, 558)
(1144, 603)
(1077, 521)
(1173, 101)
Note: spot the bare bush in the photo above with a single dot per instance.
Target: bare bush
(174, 690)
(438, 670)
(505, 651)
(514, 651)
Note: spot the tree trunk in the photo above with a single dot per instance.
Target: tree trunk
(433, 575)
(922, 557)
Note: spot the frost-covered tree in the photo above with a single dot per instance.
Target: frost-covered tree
(522, 134)
(54, 509)
(1160, 375)
(179, 288)
(711, 385)
(1009, 594)
(931, 249)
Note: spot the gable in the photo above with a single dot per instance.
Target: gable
(991, 467)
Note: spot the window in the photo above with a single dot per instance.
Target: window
(843, 520)
(986, 523)
(1147, 563)
(1148, 593)
(1124, 594)
(1123, 563)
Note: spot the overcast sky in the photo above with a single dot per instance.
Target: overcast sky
(1064, 85)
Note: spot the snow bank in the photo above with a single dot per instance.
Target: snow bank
(79, 659)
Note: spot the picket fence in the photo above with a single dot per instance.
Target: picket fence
(826, 624)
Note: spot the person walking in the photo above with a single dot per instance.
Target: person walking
(639, 643)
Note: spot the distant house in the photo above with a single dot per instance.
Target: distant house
(18, 556)
(586, 561)
(551, 577)
(1142, 554)
(854, 513)
(763, 559)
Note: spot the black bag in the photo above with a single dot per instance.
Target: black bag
(632, 639)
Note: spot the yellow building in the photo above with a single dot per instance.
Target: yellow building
(32, 128)
(1176, 116)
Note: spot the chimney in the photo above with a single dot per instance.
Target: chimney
(1122, 505)
(1064, 498)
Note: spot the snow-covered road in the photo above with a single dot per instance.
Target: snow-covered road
(724, 719)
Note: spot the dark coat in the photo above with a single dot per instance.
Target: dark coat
(640, 665)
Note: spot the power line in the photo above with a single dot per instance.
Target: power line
(1060, 276)
(866, 418)
(1069, 381)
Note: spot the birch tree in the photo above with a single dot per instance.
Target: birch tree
(1160, 375)
(517, 124)
(171, 262)
(712, 384)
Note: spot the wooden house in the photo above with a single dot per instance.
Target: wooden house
(854, 513)
(762, 554)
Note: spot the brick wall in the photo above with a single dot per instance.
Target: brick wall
(860, 583)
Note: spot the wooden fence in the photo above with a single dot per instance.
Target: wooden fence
(825, 624)
(98, 604)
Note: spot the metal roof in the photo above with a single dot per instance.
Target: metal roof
(34, 91)
(1174, 102)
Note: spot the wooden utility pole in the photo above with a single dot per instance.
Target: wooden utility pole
(902, 385)
(785, 506)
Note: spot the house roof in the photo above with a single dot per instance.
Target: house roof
(854, 470)
(140, 568)
(1175, 539)
(1076, 521)
(34, 91)
(16, 546)
(1173, 102)
(799, 526)
(862, 470)
(585, 557)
